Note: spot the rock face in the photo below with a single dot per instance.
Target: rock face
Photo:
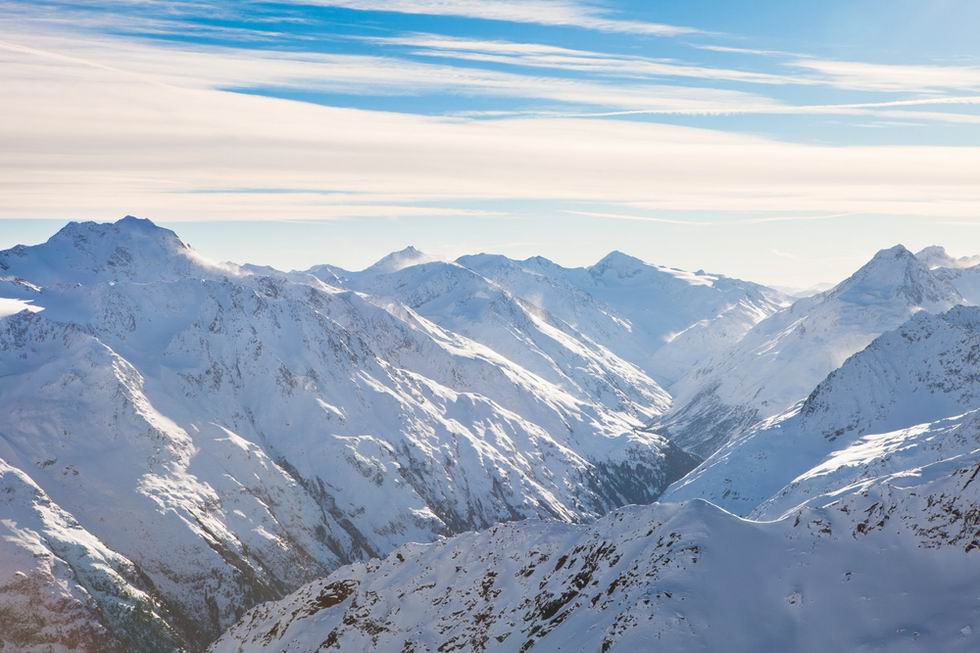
(780, 360)
(672, 576)
(863, 534)
(182, 441)
(219, 436)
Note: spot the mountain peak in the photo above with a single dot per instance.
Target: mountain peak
(540, 262)
(936, 256)
(396, 261)
(896, 273)
(131, 248)
(618, 262)
(126, 228)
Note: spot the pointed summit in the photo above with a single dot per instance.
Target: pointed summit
(618, 264)
(618, 259)
(398, 260)
(896, 273)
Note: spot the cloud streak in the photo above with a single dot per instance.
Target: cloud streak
(102, 126)
(536, 55)
(894, 77)
(561, 13)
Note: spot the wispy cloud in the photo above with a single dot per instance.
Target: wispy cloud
(536, 55)
(735, 50)
(894, 77)
(565, 13)
(141, 132)
(695, 222)
(104, 125)
(772, 107)
(211, 67)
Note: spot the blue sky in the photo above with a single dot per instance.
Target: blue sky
(778, 141)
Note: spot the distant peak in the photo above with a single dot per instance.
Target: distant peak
(936, 256)
(888, 260)
(125, 228)
(133, 221)
(539, 261)
(403, 258)
(618, 259)
(895, 251)
(892, 273)
(131, 248)
(932, 250)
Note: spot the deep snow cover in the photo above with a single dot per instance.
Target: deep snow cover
(871, 548)
(181, 441)
(780, 360)
(907, 380)
(231, 435)
(887, 567)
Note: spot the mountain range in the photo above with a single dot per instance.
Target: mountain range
(185, 445)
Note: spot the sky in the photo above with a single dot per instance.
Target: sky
(782, 142)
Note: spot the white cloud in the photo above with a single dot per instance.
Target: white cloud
(536, 55)
(801, 217)
(101, 128)
(894, 77)
(204, 67)
(570, 13)
(734, 50)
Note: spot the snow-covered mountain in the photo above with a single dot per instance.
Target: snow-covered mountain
(221, 436)
(936, 256)
(132, 249)
(182, 440)
(872, 547)
(467, 303)
(661, 319)
(962, 273)
(780, 360)
(61, 588)
(890, 566)
(890, 401)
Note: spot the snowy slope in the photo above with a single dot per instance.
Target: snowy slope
(781, 359)
(59, 584)
(249, 432)
(673, 577)
(965, 280)
(871, 546)
(661, 319)
(467, 303)
(876, 456)
(962, 273)
(926, 370)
